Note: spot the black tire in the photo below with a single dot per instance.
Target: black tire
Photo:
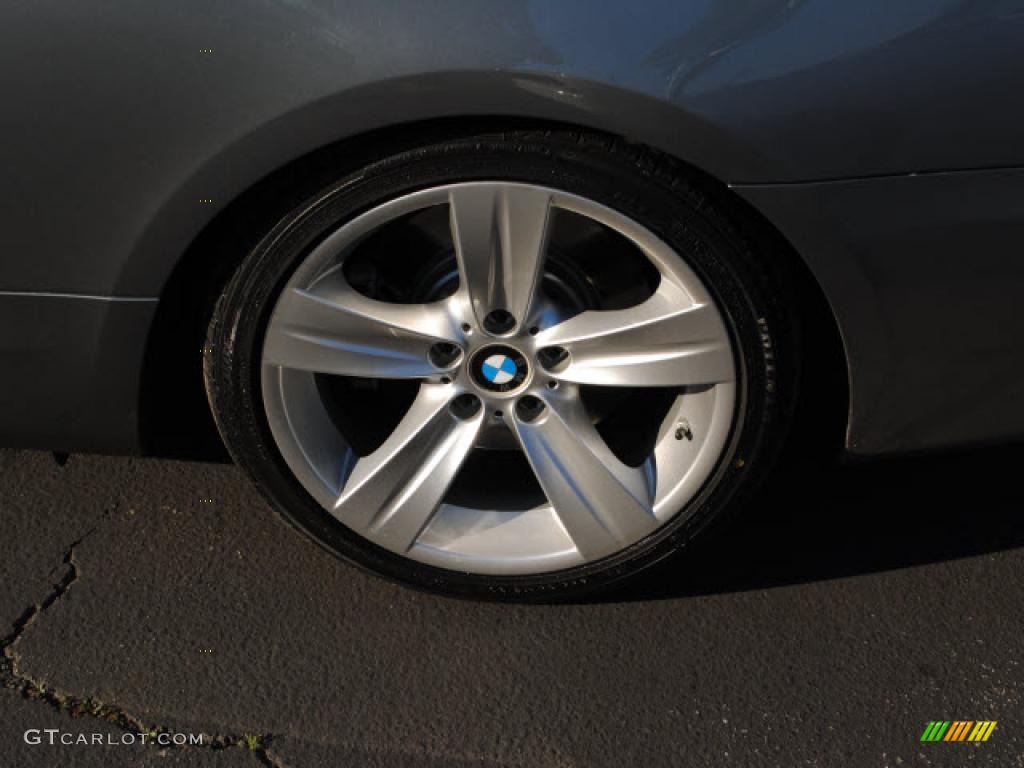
(752, 290)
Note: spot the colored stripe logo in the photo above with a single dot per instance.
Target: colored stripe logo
(958, 730)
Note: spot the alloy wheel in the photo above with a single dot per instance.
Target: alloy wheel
(521, 434)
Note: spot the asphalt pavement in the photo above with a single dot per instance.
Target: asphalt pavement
(827, 628)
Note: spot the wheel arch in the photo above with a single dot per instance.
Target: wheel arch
(173, 413)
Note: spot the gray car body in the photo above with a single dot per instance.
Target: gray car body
(883, 140)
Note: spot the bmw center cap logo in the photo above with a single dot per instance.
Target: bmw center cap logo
(499, 368)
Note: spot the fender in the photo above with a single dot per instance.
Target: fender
(412, 100)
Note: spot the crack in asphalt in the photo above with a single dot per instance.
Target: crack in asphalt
(77, 706)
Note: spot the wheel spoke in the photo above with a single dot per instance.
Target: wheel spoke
(391, 494)
(331, 328)
(500, 234)
(602, 503)
(665, 341)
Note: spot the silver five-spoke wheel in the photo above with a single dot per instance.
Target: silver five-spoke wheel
(500, 352)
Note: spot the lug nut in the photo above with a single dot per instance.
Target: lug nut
(443, 355)
(550, 357)
(499, 321)
(465, 406)
(529, 408)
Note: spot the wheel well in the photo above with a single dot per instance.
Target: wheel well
(823, 399)
(175, 420)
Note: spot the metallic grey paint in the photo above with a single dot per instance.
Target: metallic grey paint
(925, 273)
(116, 126)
